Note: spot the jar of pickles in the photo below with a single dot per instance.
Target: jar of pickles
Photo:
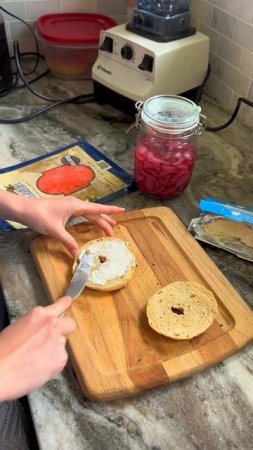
(166, 147)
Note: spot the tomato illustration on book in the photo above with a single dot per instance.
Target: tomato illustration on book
(65, 179)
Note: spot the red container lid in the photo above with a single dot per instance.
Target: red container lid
(73, 28)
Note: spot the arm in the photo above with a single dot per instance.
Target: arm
(12, 205)
(50, 216)
(32, 350)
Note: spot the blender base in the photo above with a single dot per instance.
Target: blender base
(105, 95)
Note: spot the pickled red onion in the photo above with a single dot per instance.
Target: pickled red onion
(163, 168)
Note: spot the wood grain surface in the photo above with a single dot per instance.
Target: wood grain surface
(114, 351)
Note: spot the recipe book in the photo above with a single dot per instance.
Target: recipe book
(78, 169)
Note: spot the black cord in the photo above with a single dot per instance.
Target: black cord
(81, 99)
(24, 54)
(26, 83)
(234, 114)
(15, 84)
(10, 88)
(232, 118)
(34, 37)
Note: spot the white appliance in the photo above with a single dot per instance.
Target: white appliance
(157, 52)
(138, 67)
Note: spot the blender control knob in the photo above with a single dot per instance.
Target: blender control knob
(107, 45)
(127, 52)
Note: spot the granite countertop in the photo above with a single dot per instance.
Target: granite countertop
(211, 410)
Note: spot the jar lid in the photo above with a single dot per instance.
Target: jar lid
(73, 28)
(171, 112)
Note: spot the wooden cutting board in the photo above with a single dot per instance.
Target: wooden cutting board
(113, 350)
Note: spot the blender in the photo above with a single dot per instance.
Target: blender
(158, 52)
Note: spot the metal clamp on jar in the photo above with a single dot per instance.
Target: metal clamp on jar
(166, 148)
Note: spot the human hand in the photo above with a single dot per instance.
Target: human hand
(49, 216)
(32, 350)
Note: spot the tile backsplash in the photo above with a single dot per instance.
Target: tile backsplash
(229, 25)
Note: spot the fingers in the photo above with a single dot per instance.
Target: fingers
(67, 240)
(96, 208)
(66, 326)
(103, 222)
(94, 212)
(85, 209)
(108, 219)
(59, 307)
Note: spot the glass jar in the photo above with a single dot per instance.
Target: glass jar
(166, 147)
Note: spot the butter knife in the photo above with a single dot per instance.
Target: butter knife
(79, 279)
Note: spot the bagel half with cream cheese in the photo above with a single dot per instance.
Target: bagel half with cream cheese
(112, 263)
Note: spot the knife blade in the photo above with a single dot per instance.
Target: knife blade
(80, 277)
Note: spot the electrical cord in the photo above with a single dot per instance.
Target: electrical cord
(233, 116)
(32, 33)
(24, 54)
(80, 99)
(17, 57)
(7, 91)
(236, 110)
(27, 85)
(15, 84)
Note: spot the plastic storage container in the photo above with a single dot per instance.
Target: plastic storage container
(70, 41)
(166, 148)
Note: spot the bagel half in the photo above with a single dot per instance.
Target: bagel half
(112, 263)
(181, 310)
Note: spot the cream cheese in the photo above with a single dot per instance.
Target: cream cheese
(109, 260)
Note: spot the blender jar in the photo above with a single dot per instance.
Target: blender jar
(164, 7)
(166, 147)
(162, 21)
